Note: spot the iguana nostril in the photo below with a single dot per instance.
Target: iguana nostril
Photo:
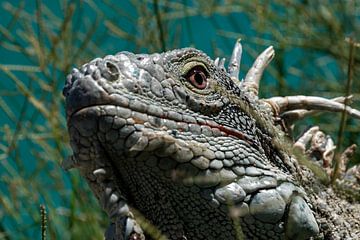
(112, 71)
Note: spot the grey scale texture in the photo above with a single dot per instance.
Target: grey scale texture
(194, 162)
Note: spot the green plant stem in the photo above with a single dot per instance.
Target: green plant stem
(350, 73)
(159, 23)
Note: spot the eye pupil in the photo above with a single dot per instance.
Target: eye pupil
(199, 78)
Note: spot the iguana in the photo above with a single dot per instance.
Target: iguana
(174, 146)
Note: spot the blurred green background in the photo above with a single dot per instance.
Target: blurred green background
(41, 41)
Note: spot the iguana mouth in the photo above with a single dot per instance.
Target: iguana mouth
(165, 121)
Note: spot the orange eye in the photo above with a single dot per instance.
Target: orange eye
(197, 76)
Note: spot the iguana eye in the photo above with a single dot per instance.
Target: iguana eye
(197, 76)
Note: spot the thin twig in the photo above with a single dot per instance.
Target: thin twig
(159, 23)
(43, 221)
(350, 73)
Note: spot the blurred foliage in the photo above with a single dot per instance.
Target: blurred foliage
(41, 41)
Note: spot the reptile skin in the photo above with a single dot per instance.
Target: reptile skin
(174, 138)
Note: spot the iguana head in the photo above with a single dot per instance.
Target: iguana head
(175, 137)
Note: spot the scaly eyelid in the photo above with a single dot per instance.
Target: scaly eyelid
(191, 64)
